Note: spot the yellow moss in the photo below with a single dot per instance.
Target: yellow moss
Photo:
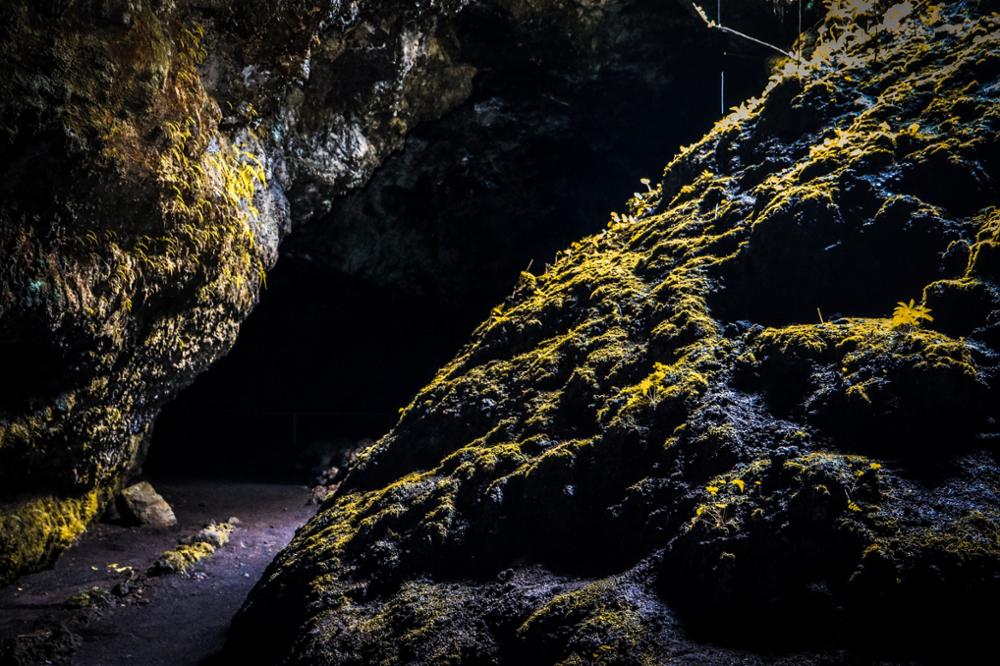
(862, 342)
(910, 314)
(814, 338)
(185, 556)
(38, 529)
(211, 201)
(667, 383)
(194, 549)
(598, 612)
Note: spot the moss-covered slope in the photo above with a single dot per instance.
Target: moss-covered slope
(712, 419)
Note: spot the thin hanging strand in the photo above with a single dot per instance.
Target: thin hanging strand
(722, 74)
(712, 24)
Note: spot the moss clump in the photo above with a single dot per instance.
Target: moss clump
(594, 624)
(892, 389)
(92, 598)
(194, 549)
(427, 611)
(35, 530)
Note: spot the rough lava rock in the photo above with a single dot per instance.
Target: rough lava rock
(723, 418)
(143, 147)
(154, 153)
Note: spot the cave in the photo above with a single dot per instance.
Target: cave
(366, 303)
(499, 332)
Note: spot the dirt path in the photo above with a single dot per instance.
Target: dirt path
(173, 619)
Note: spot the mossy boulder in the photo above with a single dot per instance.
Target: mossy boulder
(706, 423)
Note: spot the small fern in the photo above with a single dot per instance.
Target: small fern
(910, 314)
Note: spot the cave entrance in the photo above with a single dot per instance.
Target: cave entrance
(324, 362)
(366, 303)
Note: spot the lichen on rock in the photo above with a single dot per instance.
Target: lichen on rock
(704, 422)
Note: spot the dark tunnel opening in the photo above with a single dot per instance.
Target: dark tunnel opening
(365, 305)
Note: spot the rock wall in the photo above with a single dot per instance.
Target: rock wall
(135, 231)
(759, 408)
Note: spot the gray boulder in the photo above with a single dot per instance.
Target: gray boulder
(140, 504)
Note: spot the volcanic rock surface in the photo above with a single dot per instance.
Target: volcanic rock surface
(759, 408)
(154, 154)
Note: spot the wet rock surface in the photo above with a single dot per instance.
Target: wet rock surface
(720, 430)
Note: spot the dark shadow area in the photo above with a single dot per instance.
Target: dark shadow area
(823, 263)
(31, 368)
(321, 364)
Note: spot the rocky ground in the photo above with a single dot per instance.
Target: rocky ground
(762, 403)
(94, 607)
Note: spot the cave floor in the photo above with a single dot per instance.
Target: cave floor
(171, 619)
